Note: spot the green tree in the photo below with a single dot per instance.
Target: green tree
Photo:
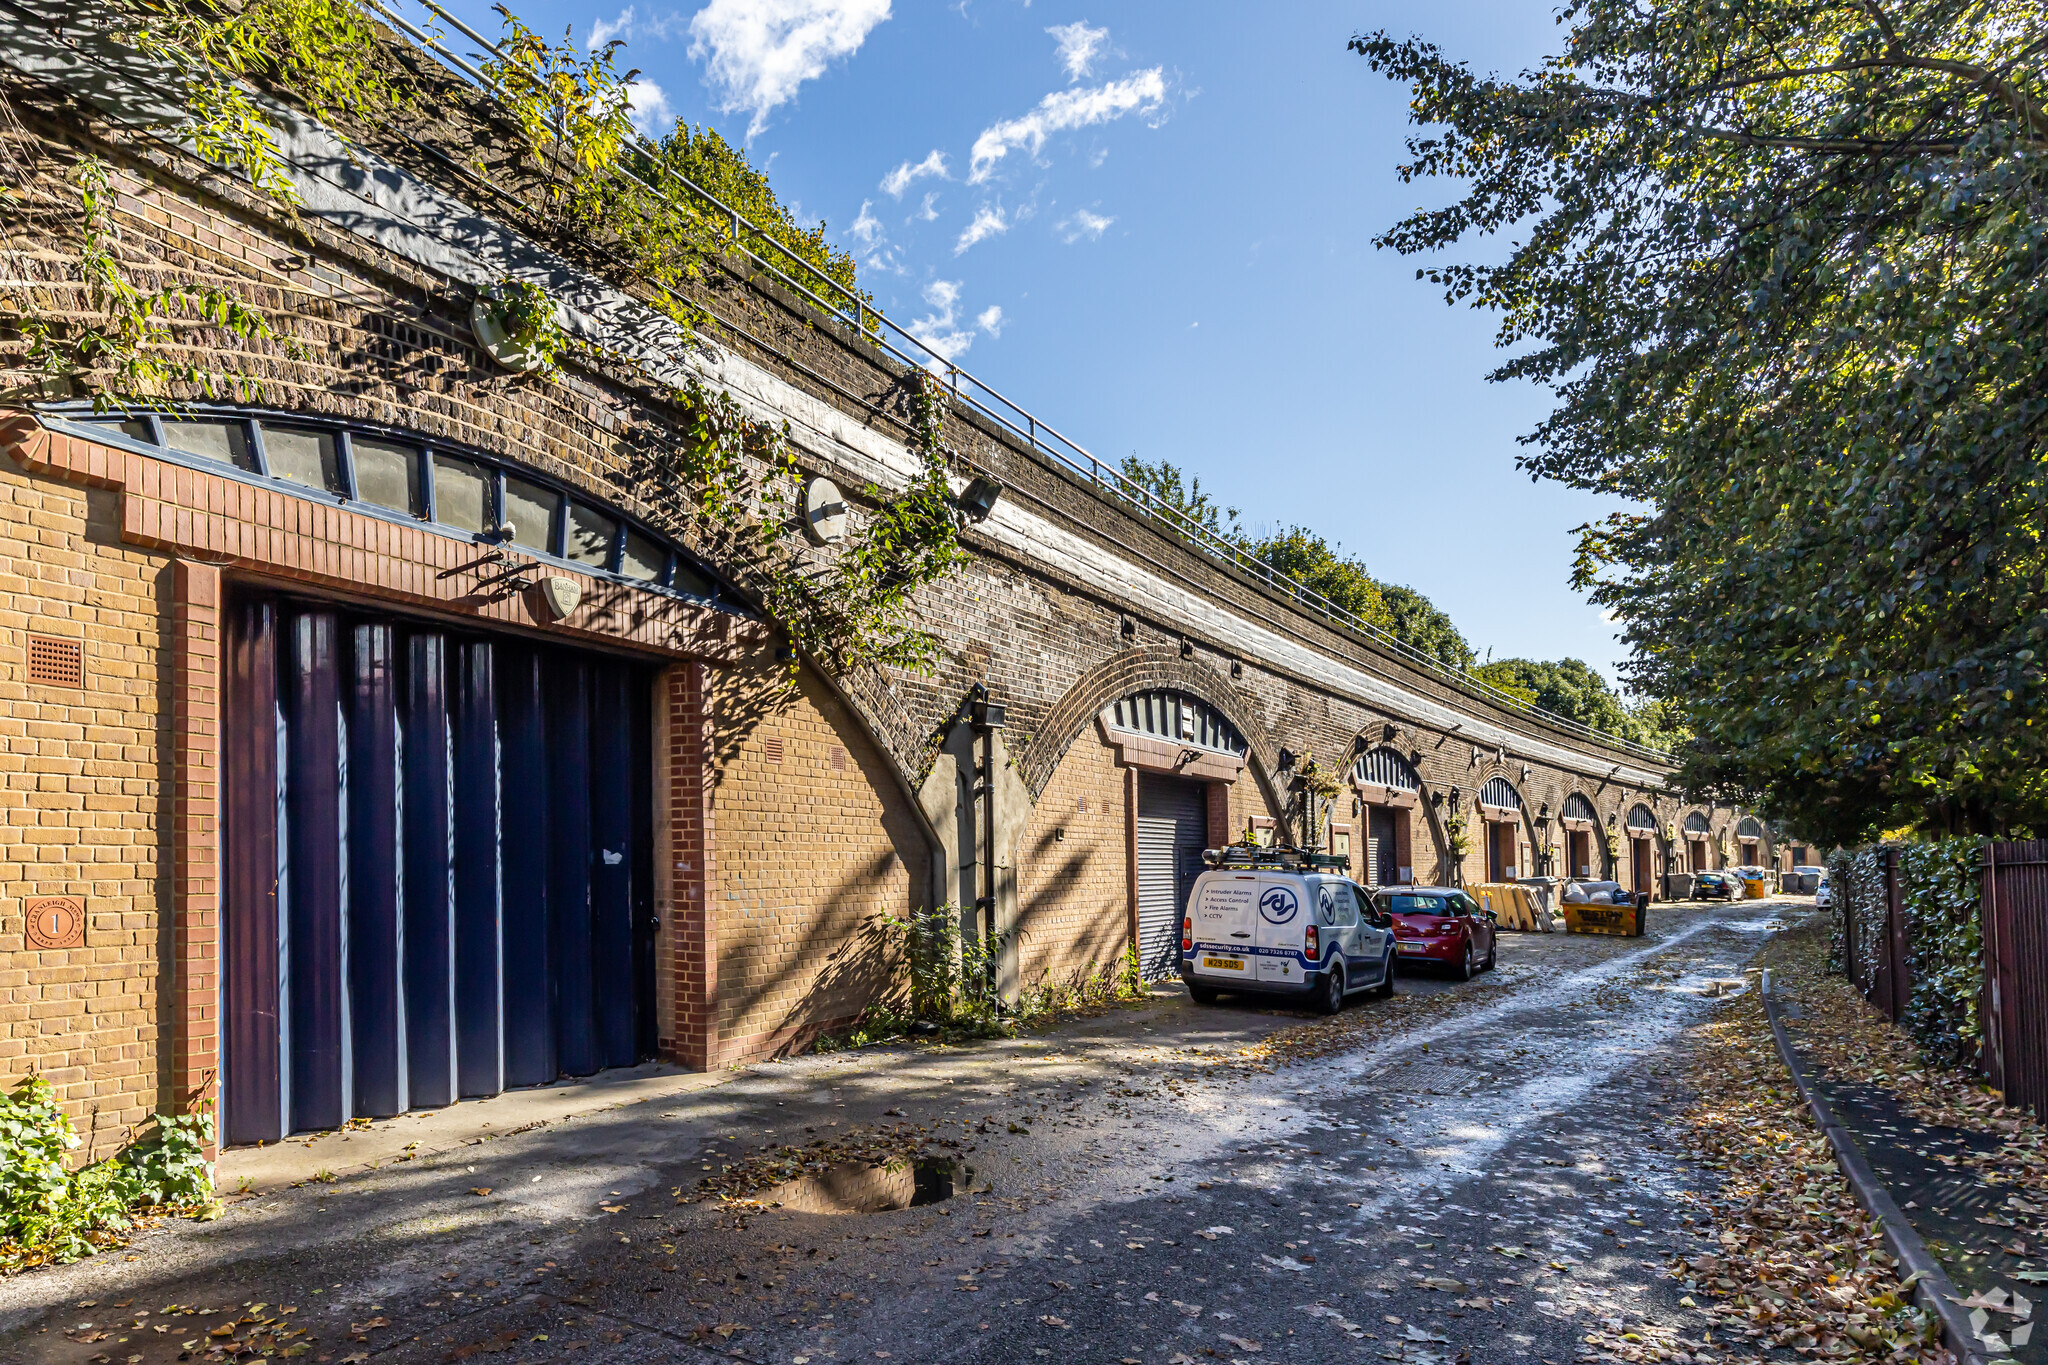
(1303, 555)
(1781, 263)
(1419, 623)
(1165, 481)
(706, 159)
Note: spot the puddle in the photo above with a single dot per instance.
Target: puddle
(858, 1187)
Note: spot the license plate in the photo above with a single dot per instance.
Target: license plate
(1412, 947)
(1226, 964)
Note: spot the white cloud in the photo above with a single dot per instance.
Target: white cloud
(1078, 45)
(901, 179)
(990, 319)
(987, 223)
(1083, 224)
(630, 25)
(866, 229)
(758, 52)
(1063, 111)
(648, 107)
(928, 210)
(940, 328)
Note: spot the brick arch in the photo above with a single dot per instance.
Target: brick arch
(1137, 670)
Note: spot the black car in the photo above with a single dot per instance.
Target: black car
(1715, 886)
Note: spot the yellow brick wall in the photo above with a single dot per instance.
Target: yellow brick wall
(84, 778)
(1073, 892)
(809, 853)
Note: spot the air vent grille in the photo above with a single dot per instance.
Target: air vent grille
(56, 663)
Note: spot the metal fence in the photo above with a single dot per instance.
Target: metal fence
(911, 349)
(2015, 1001)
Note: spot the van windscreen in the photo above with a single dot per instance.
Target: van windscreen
(1417, 905)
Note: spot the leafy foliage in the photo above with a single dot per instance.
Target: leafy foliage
(1574, 690)
(715, 165)
(1325, 568)
(1782, 264)
(1940, 887)
(1164, 480)
(49, 1214)
(1421, 624)
(1940, 884)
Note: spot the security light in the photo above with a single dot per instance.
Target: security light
(979, 498)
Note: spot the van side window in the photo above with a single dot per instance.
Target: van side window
(1346, 906)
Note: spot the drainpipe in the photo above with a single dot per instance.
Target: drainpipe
(986, 718)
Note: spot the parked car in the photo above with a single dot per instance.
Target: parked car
(1715, 886)
(1440, 926)
(1270, 921)
(1823, 895)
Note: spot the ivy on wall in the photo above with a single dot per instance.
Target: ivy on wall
(582, 183)
(1940, 891)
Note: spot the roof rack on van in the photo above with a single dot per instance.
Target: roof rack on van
(1285, 859)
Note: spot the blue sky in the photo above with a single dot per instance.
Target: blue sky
(1151, 224)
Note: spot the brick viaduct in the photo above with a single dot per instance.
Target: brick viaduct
(787, 819)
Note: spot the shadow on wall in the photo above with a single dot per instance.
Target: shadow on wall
(1098, 946)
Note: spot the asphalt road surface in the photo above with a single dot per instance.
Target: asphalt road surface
(1471, 1172)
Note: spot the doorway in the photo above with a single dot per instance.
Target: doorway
(1382, 846)
(1500, 851)
(1579, 852)
(1173, 823)
(437, 866)
(1639, 860)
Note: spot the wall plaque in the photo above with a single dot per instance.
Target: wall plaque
(56, 922)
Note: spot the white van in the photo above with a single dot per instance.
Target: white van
(1280, 922)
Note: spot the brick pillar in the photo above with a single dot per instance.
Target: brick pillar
(689, 921)
(195, 832)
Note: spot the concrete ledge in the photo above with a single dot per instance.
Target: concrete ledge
(1932, 1288)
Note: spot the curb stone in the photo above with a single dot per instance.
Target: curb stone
(1931, 1284)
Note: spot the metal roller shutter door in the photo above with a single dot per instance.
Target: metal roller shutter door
(1173, 821)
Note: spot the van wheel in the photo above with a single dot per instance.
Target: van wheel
(1202, 995)
(1331, 998)
(1386, 986)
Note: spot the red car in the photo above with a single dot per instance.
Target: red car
(1440, 926)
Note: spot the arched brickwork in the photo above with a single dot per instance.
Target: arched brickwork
(1136, 670)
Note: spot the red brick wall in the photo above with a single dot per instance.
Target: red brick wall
(811, 852)
(85, 786)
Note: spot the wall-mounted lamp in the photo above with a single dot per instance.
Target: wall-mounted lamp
(1187, 648)
(979, 498)
(1286, 759)
(982, 713)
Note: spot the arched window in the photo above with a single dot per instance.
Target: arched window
(1177, 718)
(1696, 823)
(1750, 828)
(407, 477)
(1500, 792)
(1642, 821)
(1577, 807)
(1388, 769)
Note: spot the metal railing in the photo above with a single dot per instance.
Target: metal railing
(1042, 437)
